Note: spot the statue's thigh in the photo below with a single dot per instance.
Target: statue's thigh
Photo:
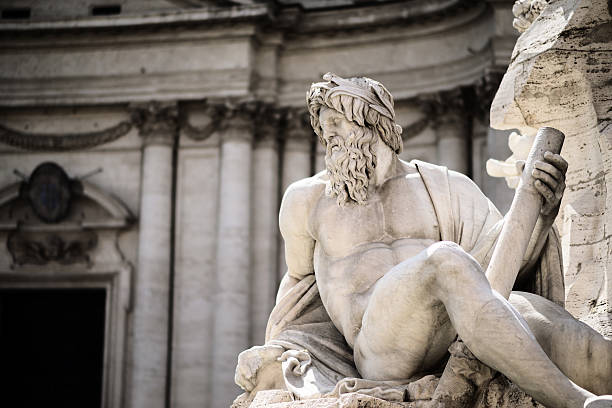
(405, 329)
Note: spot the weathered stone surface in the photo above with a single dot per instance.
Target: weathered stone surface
(500, 393)
(560, 76)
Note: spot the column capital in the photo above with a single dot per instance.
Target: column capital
(297, 124)
(483, 92)
(238, 120)
(157, 122)
(444, 107)
(267, 124)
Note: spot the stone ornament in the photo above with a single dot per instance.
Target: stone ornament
(42, 248)
(49, 192)
(52, 218)
(62, 142)
(214, 114)
(386, 268)
(525, 11)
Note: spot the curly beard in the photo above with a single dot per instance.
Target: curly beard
(349, 174)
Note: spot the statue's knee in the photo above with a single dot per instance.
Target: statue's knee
(449, 259)
(444, 252)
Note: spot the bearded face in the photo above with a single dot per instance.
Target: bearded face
(349, 158)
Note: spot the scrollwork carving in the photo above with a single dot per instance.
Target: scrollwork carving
(41, 248)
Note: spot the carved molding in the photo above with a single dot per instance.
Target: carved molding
(62, 142)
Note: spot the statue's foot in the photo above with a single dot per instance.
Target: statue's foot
(603, 401)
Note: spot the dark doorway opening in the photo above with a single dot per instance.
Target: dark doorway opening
(51, 347)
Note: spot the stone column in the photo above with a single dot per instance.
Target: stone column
(449, 121)
(297, 151)
(479, 152)
(452, 143)
(157, 125)
(231, 328)
(297, 159)
(264, 248)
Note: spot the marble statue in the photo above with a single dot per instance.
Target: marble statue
(386, 264)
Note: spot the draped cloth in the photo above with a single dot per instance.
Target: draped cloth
(318, 362)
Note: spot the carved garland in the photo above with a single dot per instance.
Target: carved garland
(62, 142)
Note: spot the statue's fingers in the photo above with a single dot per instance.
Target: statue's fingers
(560, 189)
(549, 168)
(557, 160)
(545, 191)
(545, 178)
(243, 382)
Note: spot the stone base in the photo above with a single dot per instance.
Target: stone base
(282, 399)
(499, 393)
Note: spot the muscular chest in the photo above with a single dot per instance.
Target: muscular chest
(400, 210)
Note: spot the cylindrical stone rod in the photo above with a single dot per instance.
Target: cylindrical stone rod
(521, 219)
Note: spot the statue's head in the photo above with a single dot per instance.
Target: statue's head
(350, 116)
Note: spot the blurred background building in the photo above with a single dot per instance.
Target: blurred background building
(144, 149)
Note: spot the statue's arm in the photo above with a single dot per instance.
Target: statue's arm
(299, 242)
(550, 184)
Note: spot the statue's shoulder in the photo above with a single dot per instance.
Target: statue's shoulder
(301, 195)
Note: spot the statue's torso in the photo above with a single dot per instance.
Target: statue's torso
(357, 244)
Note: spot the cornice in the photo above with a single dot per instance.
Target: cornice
(205, 15)
(414, 15)
(62, 142)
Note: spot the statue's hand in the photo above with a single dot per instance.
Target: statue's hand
(253, 361)
(550, 182)
(549, 178)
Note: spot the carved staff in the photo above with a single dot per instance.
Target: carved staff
(521, 219)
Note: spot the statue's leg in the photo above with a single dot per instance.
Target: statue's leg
(492, 329)
(583, 354)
